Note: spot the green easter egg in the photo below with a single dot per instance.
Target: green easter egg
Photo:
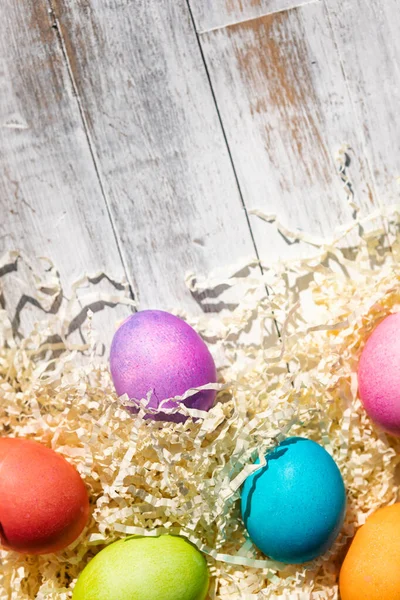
(145, 568)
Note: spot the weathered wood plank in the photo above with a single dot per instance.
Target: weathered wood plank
(151, 116)
(212, 14)
(286, 110)
(368, 39)
(50, 195)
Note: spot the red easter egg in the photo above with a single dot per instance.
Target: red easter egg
(44, 504)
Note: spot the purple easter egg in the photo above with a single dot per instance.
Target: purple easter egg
(156, 351)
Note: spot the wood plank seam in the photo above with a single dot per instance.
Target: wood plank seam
(230, 154)
(223, 131)
(56, 25)
(269, 13)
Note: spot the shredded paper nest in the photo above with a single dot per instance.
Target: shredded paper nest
(287, 355)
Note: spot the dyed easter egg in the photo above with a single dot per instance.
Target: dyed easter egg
(145, 568)
(379, 375)
(371, 568)
(44, 504)
(293, 508)
(158, 352)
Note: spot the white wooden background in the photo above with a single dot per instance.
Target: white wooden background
(136, 136)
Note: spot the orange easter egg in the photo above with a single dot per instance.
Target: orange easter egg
(371, 569)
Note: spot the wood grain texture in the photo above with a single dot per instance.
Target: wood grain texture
(50, 195)
(212, 14)
(368, 39)
(286, 111)
(159, 145)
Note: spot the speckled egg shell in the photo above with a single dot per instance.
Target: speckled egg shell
(44, 505)
(145, 568)
(371, 569)
(159, 352)
(294, 507)
(379, 375)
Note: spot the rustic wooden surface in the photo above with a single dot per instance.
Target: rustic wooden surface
(161, 152)
(215, 14)
(52, 202)
(287, 112)
(136, 137)
(369, 48)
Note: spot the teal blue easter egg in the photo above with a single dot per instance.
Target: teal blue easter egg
(294, 507)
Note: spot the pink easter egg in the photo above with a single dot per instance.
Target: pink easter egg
(156, 351)
(379, 375)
